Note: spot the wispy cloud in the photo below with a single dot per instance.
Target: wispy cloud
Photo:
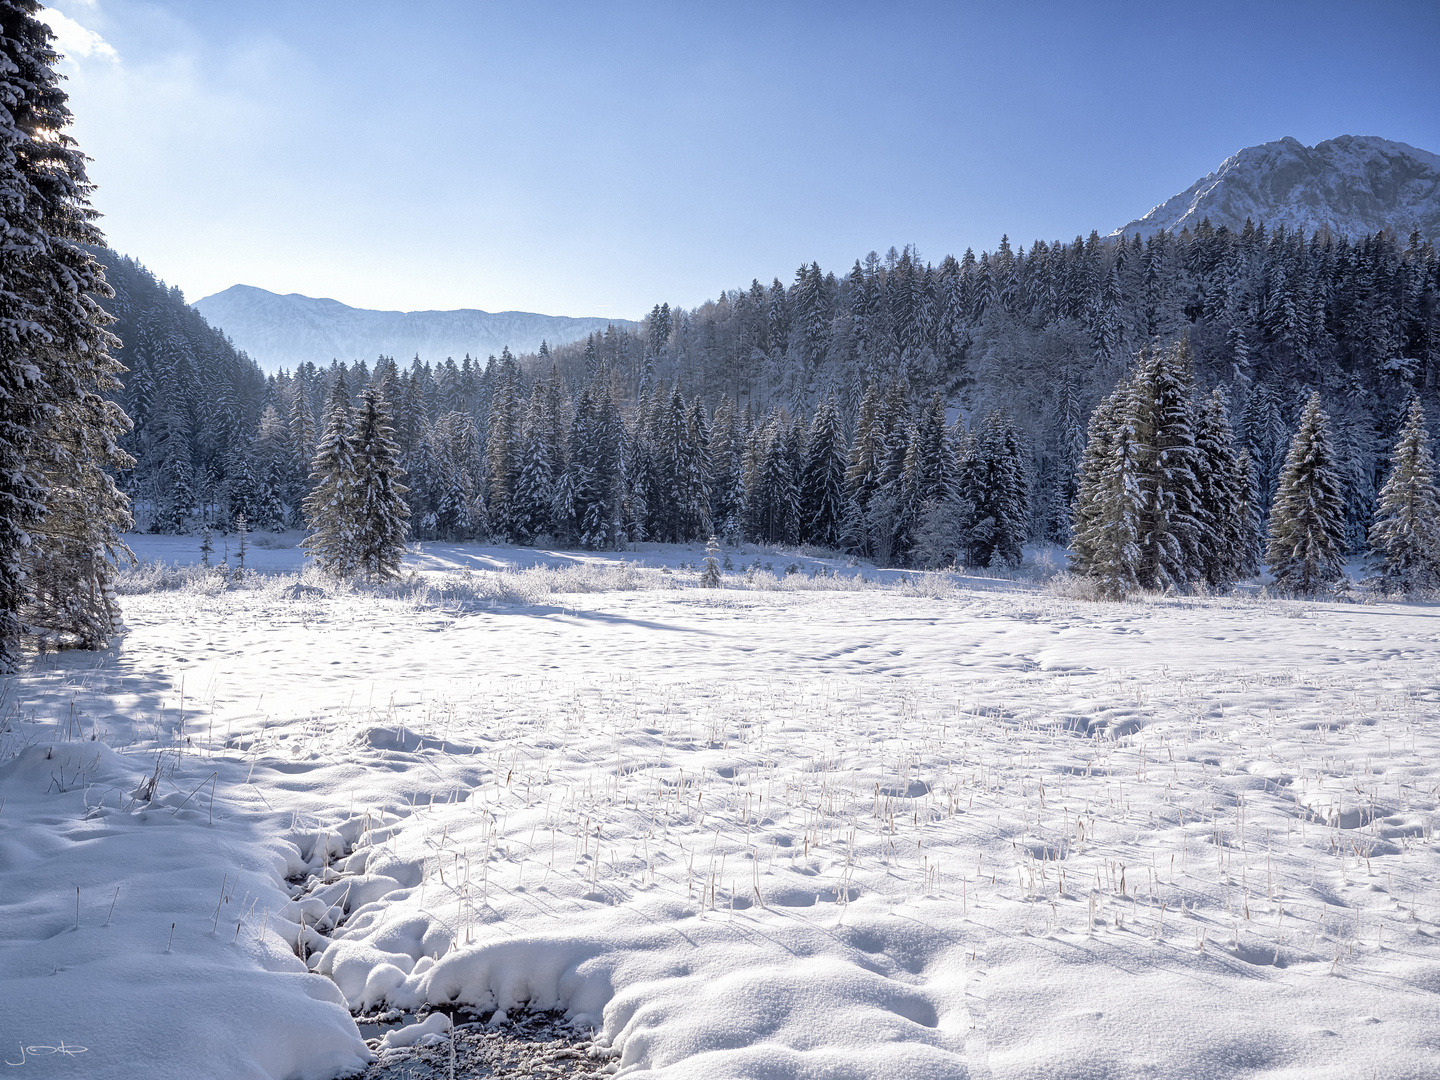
(76, 41)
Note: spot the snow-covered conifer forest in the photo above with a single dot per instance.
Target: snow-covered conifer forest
(1009, 666)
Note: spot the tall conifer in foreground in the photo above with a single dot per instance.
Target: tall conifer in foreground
(381, 512)
(329, 508)
(1307, 519)
(1405, 537)
(60, 513)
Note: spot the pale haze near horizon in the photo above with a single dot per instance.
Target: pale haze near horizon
(594, 160)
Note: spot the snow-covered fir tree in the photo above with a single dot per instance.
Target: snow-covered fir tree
(380, 510)
(864, 470)
(270, 497)
(600, 477)
(1229, 550)
(1307, 519)
(534, 494)
(241, 489)
(726, 482)
(330, 512)
(1172, 529)
(1106, 523)
(993, 481)
(61, 514)
(772, 500)
(693, 496)
(1405, 536)
(822, 481)
(927, 486)
(174, 498)
(458, 514)
(503, 442)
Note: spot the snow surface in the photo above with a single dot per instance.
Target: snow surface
(1355, 185)
(865, 825)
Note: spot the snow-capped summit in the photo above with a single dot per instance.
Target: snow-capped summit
(285, 331)
(1354, 184)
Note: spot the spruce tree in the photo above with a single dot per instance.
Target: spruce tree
(1307, 520)
(726, 480)
(927, 484)
(1227, 549)
(22, 481)
(1171, 526)
(676, 497)
(270, 504)
(1106, 521)
(61, 514)
(242, 491)
(771, 497)
(533, 496)
(694, 475)
(302, 426)
(863, 473)
(503, 442)
(381, 512)
(1405, 536)
(1249, 547)
(330, 506)
(996, 489)
(822, 483)
(453, 436)
(175, 497)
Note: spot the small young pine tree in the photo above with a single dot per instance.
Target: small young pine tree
(242, 539)
(381, 513)
(710, 576)
(1405, 536)
(1307, 519)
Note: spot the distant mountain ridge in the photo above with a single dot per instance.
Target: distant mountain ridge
(1355, 185)
(286, 331)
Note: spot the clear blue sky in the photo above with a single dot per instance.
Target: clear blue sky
(594, 159)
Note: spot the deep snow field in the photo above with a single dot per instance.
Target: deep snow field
(864, 825)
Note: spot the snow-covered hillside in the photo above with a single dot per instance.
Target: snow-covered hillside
(800, 826)
(285, 331)
(1355, 184)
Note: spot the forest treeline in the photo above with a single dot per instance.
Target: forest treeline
(1014, 347)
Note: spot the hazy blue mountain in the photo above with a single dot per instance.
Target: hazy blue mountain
(1354, 184)
(283, 331)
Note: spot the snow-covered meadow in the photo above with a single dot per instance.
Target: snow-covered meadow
(829, 823)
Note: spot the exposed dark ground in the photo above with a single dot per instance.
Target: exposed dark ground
(538, 1044)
